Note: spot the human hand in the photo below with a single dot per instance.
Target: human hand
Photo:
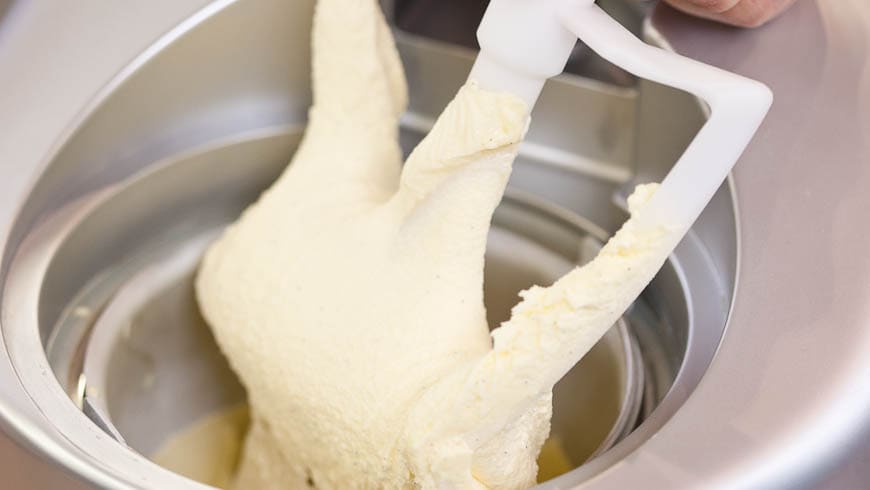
(743, 13)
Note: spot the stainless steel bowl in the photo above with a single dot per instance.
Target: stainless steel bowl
(191, 133)
(785, 402)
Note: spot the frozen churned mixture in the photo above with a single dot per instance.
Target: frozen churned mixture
(349, 298)
(208, 451)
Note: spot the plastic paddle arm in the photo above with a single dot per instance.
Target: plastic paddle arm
(525, 42)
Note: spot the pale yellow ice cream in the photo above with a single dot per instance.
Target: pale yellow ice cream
(208, 450)
(349, 298)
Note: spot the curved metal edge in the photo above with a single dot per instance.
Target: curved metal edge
(36, 249)
(22, 428)
(786, 402)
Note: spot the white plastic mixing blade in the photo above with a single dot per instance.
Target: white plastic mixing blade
(525, 42)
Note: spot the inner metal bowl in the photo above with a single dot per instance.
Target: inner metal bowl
(146, 366)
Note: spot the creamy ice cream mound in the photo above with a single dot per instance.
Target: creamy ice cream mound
(349, 298)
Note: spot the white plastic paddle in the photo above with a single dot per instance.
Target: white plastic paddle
(525, 42)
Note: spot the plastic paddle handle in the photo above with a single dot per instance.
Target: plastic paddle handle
(525, 42)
